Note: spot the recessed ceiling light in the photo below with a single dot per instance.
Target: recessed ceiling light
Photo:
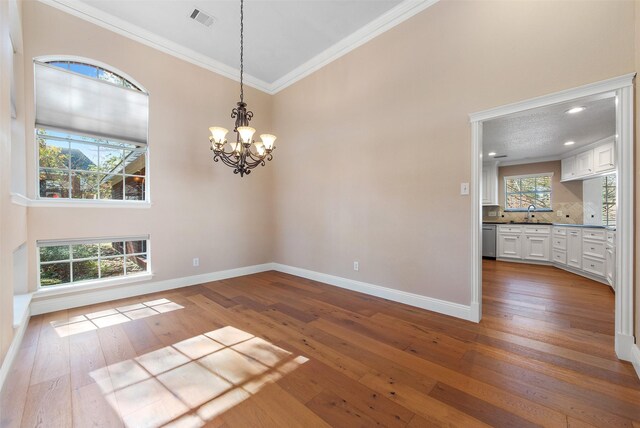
(575, 110)
(492, 154)
(569, 143)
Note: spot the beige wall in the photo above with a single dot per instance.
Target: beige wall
(565, 196)
(378, 142)
(13, 225)
(199, 209)
(637, 172)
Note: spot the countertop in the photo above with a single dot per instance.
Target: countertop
(590, 226)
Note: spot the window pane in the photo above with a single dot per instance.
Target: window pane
(83, 251)
(134, 188)
(543, 200)
(87, 70)
(136, 264)
(134, 162)
(111, 187)
(85, 270)
(110, 160)
(110, 77)
(111, 267)
(111, 248)
(543, 183)
(54, 184)
(528, 199)
(53, 154)
(133, 247)
(513, 201)
(84, 157)
(528, 184)
(512, 186)
(50, 254)
(84, 185)
(55, 273)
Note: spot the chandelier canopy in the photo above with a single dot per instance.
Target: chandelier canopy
(244, 154)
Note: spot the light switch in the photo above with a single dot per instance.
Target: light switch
(464, 188)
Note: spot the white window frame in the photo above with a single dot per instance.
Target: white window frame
(536, 175)
(88, 203)
(92, 283)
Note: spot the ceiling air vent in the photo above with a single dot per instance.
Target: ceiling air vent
(500, 156)
(202, 17)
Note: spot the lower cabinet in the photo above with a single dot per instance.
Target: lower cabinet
(509, 246)
(574, 248)
(536, 247)
(524, 242)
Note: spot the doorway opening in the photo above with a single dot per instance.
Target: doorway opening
(533, 207)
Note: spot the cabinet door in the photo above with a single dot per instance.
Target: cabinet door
(485, 186)
(611, 267)
(509, 246)
(604, 157)
(574, 248)
(489, 183)
(537, 247)
(584, 163)
(568, 168)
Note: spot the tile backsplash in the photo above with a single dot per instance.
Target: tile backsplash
(573, 210)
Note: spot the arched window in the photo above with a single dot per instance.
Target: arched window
(91, 133)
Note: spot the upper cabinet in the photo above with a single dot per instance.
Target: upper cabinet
(589, 163)
(489, 183)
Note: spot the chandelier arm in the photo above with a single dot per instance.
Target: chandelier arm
(227, 160)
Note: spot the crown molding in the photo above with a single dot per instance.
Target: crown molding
(134, 32)
(383, 23)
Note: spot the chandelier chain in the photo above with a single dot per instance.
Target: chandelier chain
(241, 49)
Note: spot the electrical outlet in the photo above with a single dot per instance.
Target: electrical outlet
(196, 262)
(493, 214)
(356, 266)
(559, 213)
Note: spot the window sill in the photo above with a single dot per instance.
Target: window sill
(57, 290)
(68, 203)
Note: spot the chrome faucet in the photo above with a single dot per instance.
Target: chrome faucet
(529, 208)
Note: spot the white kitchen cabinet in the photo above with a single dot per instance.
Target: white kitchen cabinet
(574, 248)
(584, 163)
(611, 266)
(568, 168)
(536, 247)
(509, 246)
(489, 183)
(604, 157)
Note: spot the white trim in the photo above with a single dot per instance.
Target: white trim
(398, 14)
(383, 23)
(42, 304)
(20, 199)
(21, 303)
(635, 358)
(12, 352)
(623, 88)
(436, 305)
(72, 203)
(476, 222)
(537, 174)
(555, 98)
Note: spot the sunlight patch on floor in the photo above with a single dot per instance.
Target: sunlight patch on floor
(193, 381)
(109, 317)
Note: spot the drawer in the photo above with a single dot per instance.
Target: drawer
(546, 230)
(596, 234)
(593, 266)
(594, 248)
(559, 243)
(559, 257)
(509, 229)
(561, 231)
(611, 238)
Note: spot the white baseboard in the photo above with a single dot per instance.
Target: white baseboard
(441, 306)
(12, 352)
(42, 304)
(635, 358)
(624, 346)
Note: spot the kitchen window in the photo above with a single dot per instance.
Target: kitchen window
(609, 205)
(91, 134)
(94, 260)
(525, 190)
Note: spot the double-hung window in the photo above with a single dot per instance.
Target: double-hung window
(526, 190)
(91, 133)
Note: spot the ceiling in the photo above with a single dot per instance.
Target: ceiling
(284, 40)
(541, 133)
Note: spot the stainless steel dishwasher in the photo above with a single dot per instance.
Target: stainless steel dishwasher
(489, 241)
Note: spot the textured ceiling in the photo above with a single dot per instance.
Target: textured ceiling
(542, 132)
(279, 35)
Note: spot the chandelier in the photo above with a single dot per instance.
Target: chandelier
(244, 154)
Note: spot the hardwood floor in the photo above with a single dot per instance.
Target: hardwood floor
(275, 350)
